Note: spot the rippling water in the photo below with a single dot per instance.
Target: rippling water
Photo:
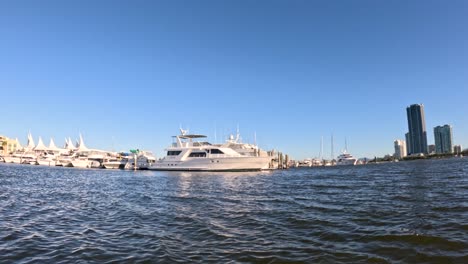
(407, 212)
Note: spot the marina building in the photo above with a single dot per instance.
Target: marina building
(8, 145)
(400, 149)
(443, 139)
(417, 134)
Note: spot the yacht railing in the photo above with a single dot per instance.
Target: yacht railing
(223, 156)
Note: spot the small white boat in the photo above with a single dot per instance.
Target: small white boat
(115, 163)
(45, 162)
(85, 163)
(304, 163)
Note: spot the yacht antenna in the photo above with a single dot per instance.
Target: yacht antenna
(346, 144)
(215, 139)
(255, 138)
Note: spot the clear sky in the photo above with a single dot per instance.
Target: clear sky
(127, 74)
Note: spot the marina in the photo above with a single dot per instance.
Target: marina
(189, 152)
(118, 139)
(77, 156)
(410, 212)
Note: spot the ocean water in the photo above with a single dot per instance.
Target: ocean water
(407, 212)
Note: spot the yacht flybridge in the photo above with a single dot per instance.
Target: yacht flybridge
(191, 153)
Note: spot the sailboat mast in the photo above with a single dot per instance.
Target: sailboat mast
(332, 154)
(215, 135)
(321, 148)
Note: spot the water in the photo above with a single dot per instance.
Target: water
(407, 212)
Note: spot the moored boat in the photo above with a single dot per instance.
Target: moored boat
(346, 159)
(189, 154)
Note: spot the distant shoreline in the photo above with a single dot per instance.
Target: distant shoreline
(426, 157)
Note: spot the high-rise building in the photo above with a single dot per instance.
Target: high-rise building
(431, 149)
(417, 135)
(457, 149)
(408, 145)
(443, 139)
(400, 148)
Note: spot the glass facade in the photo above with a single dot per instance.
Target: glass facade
(443, 139)
(417, 134)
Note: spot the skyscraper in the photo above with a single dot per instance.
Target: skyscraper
(457, 149)
(408, 145)
(417, 135)
(400, 149)
(443, 139)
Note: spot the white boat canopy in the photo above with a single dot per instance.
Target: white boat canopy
(40, 145)
(31, 144)
(69, 144)
(81, 145)
(52, 146)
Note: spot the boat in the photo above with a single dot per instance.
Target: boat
(114, 163)
(304, 163)
(66, 156)
(190, 154)
(346, 159)
(83, 157)
(20, 158)
(84, 162)
(46, 161)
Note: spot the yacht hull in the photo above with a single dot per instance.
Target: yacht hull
(46, 162)
(12, 159)
(350, 162)
(214, 164)
(85, 164)
(113, 165)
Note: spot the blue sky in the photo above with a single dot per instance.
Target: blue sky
(127, 74)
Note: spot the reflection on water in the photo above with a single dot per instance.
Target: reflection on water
(404, 212)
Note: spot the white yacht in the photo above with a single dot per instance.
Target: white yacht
(88, 158)
(117, 161)
(145, 159)
(21, 157)
(188, 154)
(85, 163)
(304, 163)
(346, 159)
(114, 163)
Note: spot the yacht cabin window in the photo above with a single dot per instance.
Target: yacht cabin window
(197, 154)
(216, 151)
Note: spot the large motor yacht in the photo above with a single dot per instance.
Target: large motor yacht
(189, 154)
(346, 159)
